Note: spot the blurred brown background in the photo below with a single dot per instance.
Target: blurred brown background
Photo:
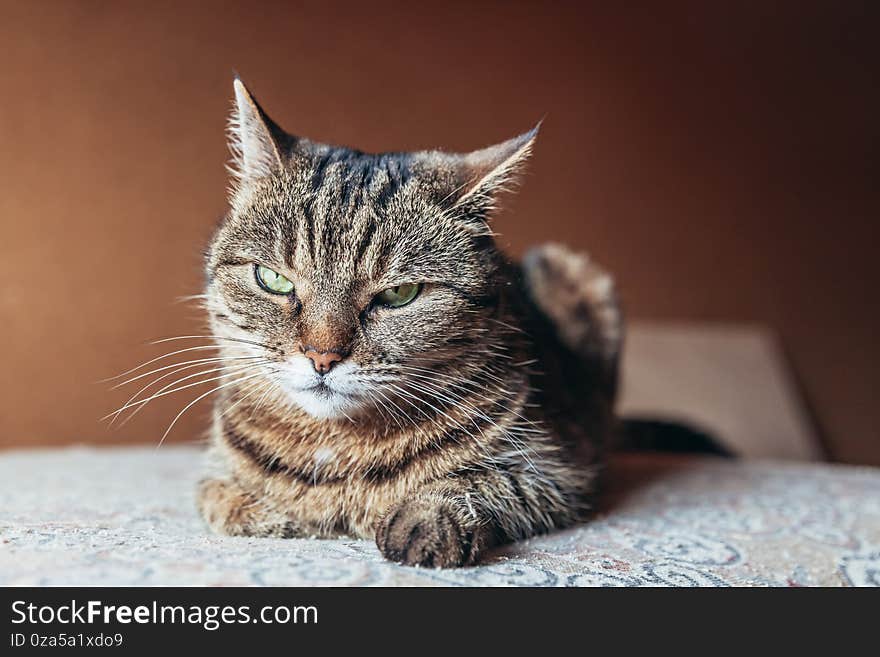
(721, 160)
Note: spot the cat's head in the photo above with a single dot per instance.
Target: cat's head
(359, 275)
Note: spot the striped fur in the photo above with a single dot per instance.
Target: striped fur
(475, 415)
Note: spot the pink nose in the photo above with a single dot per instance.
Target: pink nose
(323, 361)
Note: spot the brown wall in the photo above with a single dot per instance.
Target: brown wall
(723, 162)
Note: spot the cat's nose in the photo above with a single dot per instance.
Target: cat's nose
(322, 361)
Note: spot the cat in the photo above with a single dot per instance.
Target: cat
(389, 373)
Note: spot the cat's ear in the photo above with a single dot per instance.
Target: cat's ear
(481, 175)
(256, 142)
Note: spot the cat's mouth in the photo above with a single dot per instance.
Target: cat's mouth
(322, 389)
(333, 395)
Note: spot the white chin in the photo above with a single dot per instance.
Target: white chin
(325, 405)
(341, 397)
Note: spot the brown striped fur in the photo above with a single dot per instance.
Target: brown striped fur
(475, 415)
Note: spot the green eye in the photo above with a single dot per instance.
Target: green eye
(398, 296)
(272, 281)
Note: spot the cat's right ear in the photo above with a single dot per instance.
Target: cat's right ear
(256, 142)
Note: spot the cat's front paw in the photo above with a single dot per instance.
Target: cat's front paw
(428, 533)
(231, 511)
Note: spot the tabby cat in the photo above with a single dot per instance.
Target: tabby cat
(390, 374)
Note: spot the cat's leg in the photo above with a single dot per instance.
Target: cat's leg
(231, 510)
(454, 522)
(579, 297)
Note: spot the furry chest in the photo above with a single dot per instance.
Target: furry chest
(315, 492)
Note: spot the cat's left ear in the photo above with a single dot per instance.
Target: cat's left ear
(257, 143)
(478, 177)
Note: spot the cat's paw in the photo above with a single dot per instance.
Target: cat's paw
(231, 511)
(426, 532)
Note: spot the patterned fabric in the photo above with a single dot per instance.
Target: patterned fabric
(127, 517)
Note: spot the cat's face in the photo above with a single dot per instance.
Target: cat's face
(356, 276)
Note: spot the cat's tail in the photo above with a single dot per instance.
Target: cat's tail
(654, 435)
(579, 298)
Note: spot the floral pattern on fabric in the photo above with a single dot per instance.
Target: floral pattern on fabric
(126, 516)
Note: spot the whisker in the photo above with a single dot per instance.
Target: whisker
(456, 401)
(533, 426)
(168, 392)
(188, 363)
(191, 297)
(516, 329)
(163, 356)
(213, 337)
(201, 397)
(228, 369)
(505, 434)
(435, 409)
(482, 447)
(418, 399)
(259, 403)
(402, 412)
(253, 391)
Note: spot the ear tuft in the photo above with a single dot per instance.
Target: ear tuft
(254, 139)
(488, 172)
(493, 168)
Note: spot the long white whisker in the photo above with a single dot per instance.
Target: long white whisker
(188, 363)
(462, 386)
(505, 434)
(435, 409)
(481, 447)
(414, 405)
(192, 297)
(402, 412)
(169, 355)
(227, 369)
(253, 391)
(168, 392)
(198, 399)
(212, 337)
(260, 402)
